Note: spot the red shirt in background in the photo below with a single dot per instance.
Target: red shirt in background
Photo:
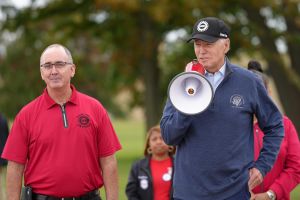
(162, 177)
(285, 174)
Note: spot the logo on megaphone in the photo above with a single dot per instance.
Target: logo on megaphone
(190, 92)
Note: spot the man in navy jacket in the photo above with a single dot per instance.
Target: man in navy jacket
(214, 158)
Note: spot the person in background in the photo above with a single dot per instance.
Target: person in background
(285, 174)
(214, 154)
(151, 177)
(3, 137)
(253, 65)
(63, 141)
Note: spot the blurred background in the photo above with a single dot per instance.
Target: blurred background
(126, 52)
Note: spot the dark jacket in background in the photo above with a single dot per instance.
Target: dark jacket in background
(3, 137)
(140, 172)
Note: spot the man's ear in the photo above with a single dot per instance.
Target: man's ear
(41, 74)
(227, 46)
(73, 70)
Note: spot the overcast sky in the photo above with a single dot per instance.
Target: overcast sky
(21, 3)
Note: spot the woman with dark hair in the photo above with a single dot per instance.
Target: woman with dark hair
(150, 178)
(285, 174)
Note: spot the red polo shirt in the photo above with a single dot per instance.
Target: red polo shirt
(61, 146)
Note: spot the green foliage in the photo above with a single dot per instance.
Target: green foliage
(122, 46)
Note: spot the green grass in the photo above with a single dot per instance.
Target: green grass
(132, 137)
(295, 195)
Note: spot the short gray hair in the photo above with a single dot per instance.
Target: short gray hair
(58, 45)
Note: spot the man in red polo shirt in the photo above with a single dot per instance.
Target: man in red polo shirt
(63, 141)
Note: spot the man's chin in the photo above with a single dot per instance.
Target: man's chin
(55, 85)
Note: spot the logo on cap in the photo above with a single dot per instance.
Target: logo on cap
(202, 26)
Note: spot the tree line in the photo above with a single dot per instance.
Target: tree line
(126, 46)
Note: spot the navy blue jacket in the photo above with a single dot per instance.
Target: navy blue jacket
(215, 147)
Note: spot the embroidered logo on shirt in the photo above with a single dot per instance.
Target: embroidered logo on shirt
(237, 101)
(83, 120)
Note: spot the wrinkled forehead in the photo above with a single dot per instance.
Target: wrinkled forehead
(56, 53)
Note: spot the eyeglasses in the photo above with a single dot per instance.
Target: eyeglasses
(58, 65)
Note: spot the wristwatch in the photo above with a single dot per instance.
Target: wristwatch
(271, 194)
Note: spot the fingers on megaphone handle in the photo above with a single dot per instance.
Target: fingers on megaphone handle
(189, 66)
(195, 66)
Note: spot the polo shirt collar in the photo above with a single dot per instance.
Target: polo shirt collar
(50, 102)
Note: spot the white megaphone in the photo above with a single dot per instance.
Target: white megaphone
(190, 92)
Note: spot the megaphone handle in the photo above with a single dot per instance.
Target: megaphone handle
(198, 67)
